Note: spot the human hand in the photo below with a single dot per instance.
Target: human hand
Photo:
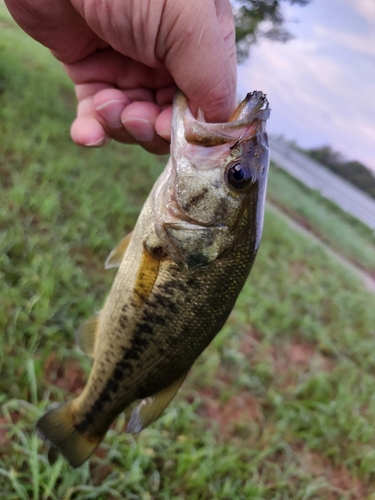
(126, 59)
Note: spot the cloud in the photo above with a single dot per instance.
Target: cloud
(317, 94)
(362, 43)
(365, 8)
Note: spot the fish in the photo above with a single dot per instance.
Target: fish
(179, 274)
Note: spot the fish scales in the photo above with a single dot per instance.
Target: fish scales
(203, 303)
(179, 275)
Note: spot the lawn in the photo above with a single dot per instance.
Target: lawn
(338, 229)
(280, 406)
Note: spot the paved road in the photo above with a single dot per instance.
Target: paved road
(367, 280)
(328, 184)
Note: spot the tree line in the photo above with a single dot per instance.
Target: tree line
(353, 171)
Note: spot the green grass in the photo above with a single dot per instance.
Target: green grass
(280, 406)
(341, 231)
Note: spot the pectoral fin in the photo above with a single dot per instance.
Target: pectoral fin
(86, 335)
(147, 274)
(151, 408)
(115, 257)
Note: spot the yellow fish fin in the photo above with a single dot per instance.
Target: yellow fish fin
(87, 333)
(151, 408)
(115, 257)
(147, 274)
(57, 429)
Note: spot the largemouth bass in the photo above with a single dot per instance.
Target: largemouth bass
(180, 272)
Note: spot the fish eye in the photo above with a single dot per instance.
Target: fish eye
(240, 175)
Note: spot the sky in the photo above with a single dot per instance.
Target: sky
(321, 84)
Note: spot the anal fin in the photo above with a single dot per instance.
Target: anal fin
(115, 257)
(87, 333)
(151, 408)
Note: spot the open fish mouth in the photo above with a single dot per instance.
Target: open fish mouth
(245, 122)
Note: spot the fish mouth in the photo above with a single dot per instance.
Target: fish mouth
(208, 145)
(247, 121)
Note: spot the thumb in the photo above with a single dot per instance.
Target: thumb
(197, 43)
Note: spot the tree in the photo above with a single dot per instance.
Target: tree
(256, 18)
(353, 170)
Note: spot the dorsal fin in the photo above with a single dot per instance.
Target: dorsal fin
(87, 333)
(151, 408)
(115, 257)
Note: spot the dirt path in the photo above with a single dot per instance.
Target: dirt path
(368, 281)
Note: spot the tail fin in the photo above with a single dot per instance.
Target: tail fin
(56, 427)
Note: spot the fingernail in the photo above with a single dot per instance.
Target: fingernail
(96, 144)
(111, 111)
(141, 130)
(165, 134)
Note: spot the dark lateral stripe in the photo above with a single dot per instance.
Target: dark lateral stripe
(158, 308)
(124, 368)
